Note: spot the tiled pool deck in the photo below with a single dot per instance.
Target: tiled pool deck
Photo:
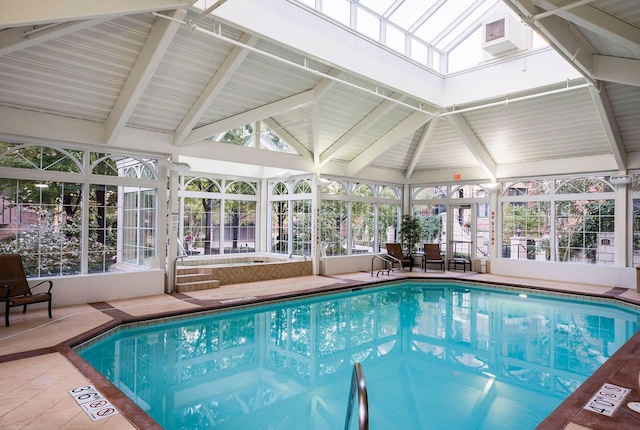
(38, 365)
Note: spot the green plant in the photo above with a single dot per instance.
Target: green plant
(411, 232)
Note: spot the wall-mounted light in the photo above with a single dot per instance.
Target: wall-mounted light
(41, 185)
(620, 180)
(179, 166)
(284, 174)
(490, 185)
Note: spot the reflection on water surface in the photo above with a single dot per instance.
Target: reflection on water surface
(434, 356)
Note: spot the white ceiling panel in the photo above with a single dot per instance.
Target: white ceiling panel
(81, 74)
(445, 150)
(559, 125)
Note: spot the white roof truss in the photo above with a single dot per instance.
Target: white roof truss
(315, 133)
(422, 144)
(213, 88)
(476, 147)
(252, 115)
(616, 69)
(15, 13)
(410, 124)
(556, 32)
(602, 105)
(287, 137)
(14, 39)
(145, 66)
(599, 22)
(381, 110)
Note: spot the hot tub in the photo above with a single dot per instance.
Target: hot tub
(195, 273)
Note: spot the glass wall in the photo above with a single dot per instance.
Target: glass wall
(635, 217)
(565, 219)
(219, 215)
(358, 218)
(455, 216)
(42, 218)
(291, 216)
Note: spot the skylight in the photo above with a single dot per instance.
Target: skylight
(444, 35)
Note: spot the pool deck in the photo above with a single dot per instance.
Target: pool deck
(38, 366)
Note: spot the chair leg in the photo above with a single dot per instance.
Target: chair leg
(50, 316)
(24, 309)
(6, 315)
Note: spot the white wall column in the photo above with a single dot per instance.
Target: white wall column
(263, 223)
(622, 226)
(316, 207)
(174, 221)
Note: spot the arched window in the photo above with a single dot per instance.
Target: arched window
(360, 221)
(40, 158)
(44, 219)
(573, 222)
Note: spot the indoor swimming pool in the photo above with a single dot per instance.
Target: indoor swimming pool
(434, 355)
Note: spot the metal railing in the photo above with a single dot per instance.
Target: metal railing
(389, 262)
(358, 386)
(297, 255)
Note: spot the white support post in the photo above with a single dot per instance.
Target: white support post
(316, 248)
(621, 226)
(174, 220)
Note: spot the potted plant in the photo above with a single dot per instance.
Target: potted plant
(410, 233)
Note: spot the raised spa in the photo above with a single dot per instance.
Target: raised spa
(196, 273)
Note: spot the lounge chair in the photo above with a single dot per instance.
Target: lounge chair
(432, 254)
(14, 289)
(394, 250)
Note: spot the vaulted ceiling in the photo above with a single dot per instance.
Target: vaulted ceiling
(154, 75)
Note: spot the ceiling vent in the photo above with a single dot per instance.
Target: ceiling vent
(502, 33)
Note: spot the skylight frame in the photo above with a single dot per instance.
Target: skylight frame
(381, 16)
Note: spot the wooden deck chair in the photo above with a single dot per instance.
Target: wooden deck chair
(394, 250)
(14, 289)
(432, 254)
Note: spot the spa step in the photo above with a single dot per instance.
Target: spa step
(187, 287)
(183, 278)
(186, 270)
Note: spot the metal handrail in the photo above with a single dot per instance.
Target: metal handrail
(388, 260)
(299, 255)
(358, 385)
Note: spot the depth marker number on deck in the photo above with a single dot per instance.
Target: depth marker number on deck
(607, 399)
(93, 403)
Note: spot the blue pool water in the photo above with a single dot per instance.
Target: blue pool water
(434, 355)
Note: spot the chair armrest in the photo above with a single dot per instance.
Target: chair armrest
(6, 297)
(40, 283)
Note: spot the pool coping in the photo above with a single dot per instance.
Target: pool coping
(616, 370)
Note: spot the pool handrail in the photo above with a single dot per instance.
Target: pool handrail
(389, 262)
(358, 386)
(299, 255)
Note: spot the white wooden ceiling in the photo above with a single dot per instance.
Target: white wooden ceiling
(101, 72)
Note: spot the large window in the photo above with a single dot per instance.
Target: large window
(37, 224)
(219, 215)
(526, 220)
(567, 220)
(636, 221)
(291, 217)
(429, 206)
(358, 218)
(71, 219)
